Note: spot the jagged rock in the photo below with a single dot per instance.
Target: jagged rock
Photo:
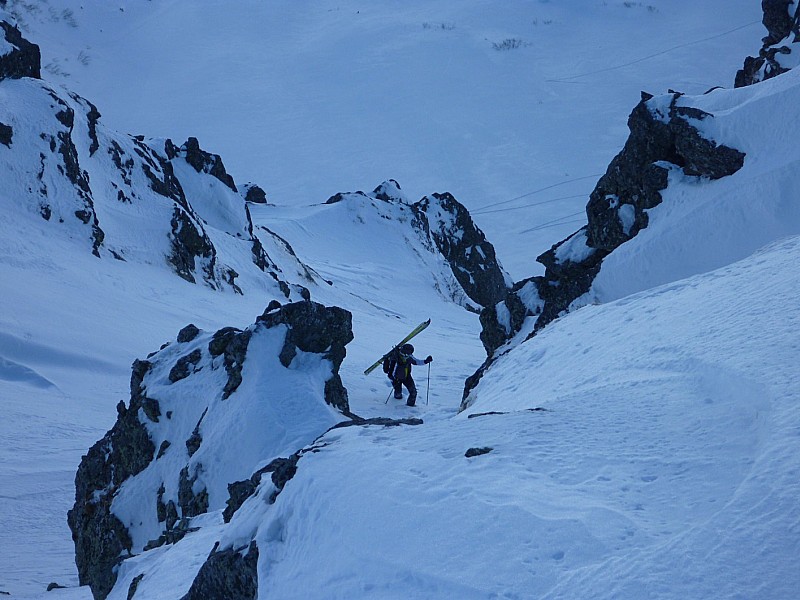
(187, 477)
(230, 574)
(23, 60)
(503, 320)
(190, 502)
(189, 245)
(71, 169)
(477, 451)
(662, 137)
(315, 328)
(6, 133)
(204, 162)
(233, 344)
(777, 19)
(781, 25)
(389, 191)
(134, 586)
(194, 441)
(471, 257)
(282, 470)
(662, 134)
(185, 365)
(188, 333)
(253, 193)
(101, 539)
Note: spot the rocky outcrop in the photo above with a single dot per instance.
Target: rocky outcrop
(231, 574)
(462, 263)
(23, 59)
(782, 21)
(314, 328)
(137, 184)
(101, 539)
(205, 162)
(184, 399)
(664, 135)
(471, 257)
(253, 193)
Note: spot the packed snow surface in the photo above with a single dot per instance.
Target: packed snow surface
(643, 446)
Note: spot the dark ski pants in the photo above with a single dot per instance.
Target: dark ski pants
(410, 386)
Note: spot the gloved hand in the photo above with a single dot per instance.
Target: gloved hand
(429, 359)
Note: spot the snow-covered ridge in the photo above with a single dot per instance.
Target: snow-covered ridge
(205, 411)
(433, 240)
(123, 197)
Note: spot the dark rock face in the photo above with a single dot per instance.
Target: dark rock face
(188, 333)
(230, 574)
(6, 133)
(315, 328)
(188, 246)
(204, 162)
(254, 194)
(282, 470)
(71, 169)
(233, 344)
(388, 191)
(25, 60)
(504, 319)
(663, 137)
(471, 257)
(185, 366)
(101, 539)
(782, 21)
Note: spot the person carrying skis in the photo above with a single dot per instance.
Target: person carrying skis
(397, 367)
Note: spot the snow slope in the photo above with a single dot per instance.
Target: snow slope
(665, 462)
(513, 107)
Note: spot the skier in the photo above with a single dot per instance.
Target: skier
(397, 367)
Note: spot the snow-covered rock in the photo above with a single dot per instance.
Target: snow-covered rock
(18, 57)
(127, 198)
(667, 135)
(455, 254)
(778, 53)
(205, 411)
(448, 224)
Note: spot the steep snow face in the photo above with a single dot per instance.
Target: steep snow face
(708, 367)
(125, 198)
(547, 487)
(703, 225)
(401, 252)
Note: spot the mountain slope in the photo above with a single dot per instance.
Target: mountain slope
(645, 446)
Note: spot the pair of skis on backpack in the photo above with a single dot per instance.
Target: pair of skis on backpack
(419, 328)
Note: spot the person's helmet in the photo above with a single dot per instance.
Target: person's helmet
(407, 349)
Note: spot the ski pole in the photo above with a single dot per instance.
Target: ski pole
(428, 393)
(389, 396)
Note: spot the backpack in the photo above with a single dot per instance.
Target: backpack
(390, 362)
